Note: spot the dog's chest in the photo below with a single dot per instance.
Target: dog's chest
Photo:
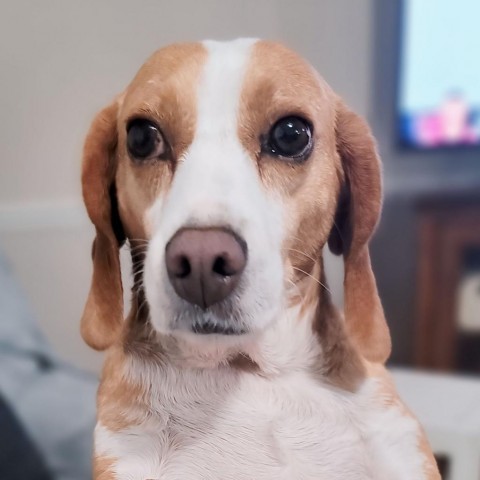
(253, 428)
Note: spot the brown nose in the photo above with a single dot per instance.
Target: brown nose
(204, 266)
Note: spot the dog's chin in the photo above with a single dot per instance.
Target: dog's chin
(204, 338)
(207, 350)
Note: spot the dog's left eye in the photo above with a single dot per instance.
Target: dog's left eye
(290, 137)
(144, 140)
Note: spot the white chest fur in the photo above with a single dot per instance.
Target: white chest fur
(207, 424)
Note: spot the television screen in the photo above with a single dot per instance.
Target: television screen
(439, 84)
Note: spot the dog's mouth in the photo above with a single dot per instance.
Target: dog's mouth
(209, 327)
(221, 319)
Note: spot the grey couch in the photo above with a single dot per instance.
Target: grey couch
(53, 401)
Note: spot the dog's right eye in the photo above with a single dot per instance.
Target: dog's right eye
(144, 140)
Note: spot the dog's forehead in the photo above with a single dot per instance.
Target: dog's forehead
(281, 72)
(180, 62)
(269, 72)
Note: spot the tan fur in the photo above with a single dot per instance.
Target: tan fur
(344, 157)
(103, 312)
(152, 93)
(103, 468)
(310, 188)
(361, 164)
(342, 365)
(118, 398)
(344, 151)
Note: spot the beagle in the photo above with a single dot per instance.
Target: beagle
(227, 167)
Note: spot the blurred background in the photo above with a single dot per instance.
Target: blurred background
(410, 67)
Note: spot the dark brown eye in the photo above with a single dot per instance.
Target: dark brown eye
(290, 137)
(144, 140)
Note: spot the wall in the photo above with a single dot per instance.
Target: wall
(62, 61)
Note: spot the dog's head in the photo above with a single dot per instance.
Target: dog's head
(228, 167)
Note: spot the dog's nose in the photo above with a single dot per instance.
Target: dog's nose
(205, 265)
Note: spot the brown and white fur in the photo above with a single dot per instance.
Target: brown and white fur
(302, 395)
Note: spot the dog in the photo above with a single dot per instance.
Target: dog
(226, 167)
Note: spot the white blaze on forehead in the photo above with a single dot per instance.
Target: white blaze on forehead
(216, 176)
(221, 85)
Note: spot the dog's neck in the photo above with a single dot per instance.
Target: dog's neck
(308, 335)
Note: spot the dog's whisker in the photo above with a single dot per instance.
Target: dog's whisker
(140, 308)
(137, 275)
(138, 285)
(138, 245)
(137, 262)
(294, 237)
(138, 265)
(138, 248)
(313, 278)
(302, 253)
(299, 292)
(142, 304)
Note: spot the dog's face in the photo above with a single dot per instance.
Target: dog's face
(222, 160)
(229, 162)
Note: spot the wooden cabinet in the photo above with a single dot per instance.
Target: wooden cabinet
(448, 229)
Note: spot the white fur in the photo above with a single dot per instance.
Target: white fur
(224, 424)
(205, 420)
(216, 185)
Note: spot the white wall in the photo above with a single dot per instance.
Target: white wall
(62, 61)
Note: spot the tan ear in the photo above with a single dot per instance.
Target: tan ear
(357, 215)
(103, 313)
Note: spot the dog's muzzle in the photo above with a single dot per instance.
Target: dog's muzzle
(204, 267)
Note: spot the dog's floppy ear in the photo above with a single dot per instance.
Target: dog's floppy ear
(103, 313)
(357, 215)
